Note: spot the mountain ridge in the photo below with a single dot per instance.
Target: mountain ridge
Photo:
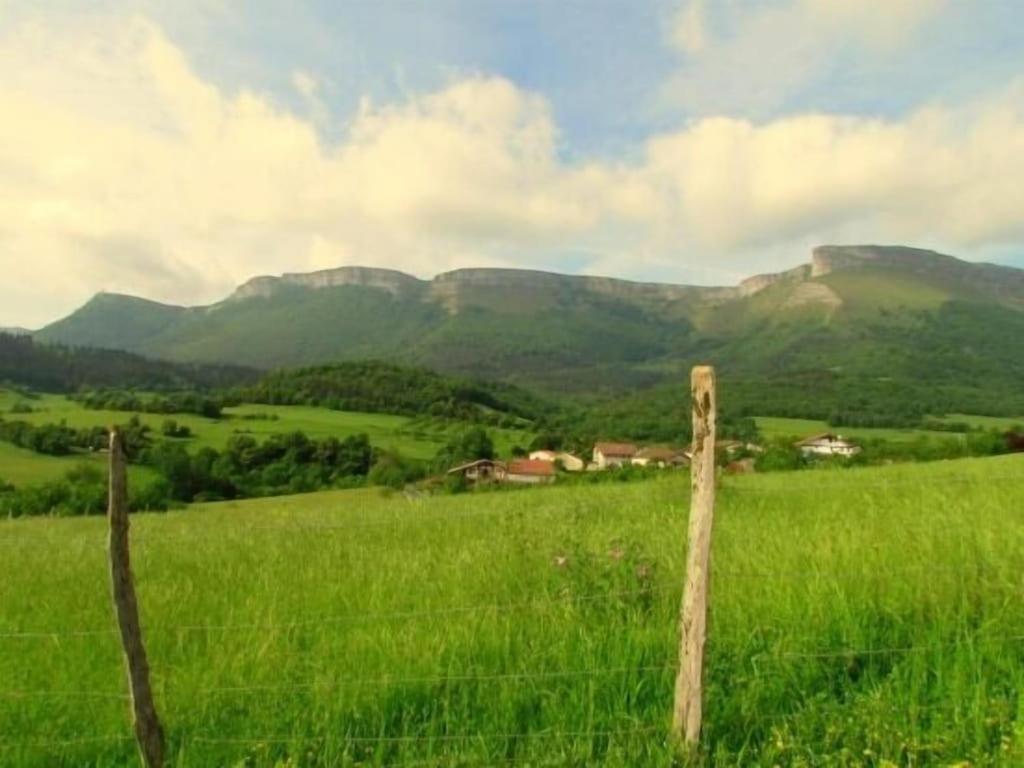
(825, 260)
(860, 310)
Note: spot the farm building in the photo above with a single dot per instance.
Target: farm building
(480, 471)
(570, 462)
(530, 471)
(827, 444)
(613, 454)
(659, 456)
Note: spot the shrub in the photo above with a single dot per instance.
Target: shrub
(392, 470)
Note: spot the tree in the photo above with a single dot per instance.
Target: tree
(469, 445)
(393, 470)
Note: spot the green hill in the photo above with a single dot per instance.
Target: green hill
(855, 316)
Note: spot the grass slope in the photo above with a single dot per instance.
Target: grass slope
(348, 628)
(415, 439)
(22, 467)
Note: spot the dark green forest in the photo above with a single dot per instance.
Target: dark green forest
(27, 363)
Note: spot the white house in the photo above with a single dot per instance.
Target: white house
(613, 454)
(570, 462)
(828, 444)
(543, 455)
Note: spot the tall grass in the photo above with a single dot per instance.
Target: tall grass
(857, 617)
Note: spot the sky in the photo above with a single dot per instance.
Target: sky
(173, 150)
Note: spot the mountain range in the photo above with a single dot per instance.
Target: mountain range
(872, 313)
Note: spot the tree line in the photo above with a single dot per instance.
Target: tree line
(379, 387)
(192, 402)
(59, 368)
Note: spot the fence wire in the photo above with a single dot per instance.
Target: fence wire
(731, 486)
(567, 599)
(757, 660)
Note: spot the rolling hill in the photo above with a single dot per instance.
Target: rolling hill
(854, 314)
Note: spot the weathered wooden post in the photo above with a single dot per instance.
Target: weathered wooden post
(686, 721)
(148, 731)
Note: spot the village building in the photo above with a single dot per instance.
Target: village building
(481, 471)
(571, 462)
(659, 456)
(827, 444)
(530, 471)
(568, 461)
(543, 455)
(613, 454)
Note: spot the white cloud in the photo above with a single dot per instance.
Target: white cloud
(760, 55)
(125, 170)
(883, 23)
(939, 174)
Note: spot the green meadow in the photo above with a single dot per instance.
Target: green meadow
(858, 617)
(417, 439)
(21, 467)
(24, 467)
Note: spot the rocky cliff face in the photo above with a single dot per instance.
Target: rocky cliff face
(758, 283)
(447, 283)
(826, 259)
(387, 279)
(447, 287)
(1005, 284)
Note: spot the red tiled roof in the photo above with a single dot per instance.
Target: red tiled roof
(531, 467)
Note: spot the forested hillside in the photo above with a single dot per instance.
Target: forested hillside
(376, 387)
(58, 368)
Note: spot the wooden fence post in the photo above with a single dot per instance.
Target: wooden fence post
(148, 731)
(686, 721)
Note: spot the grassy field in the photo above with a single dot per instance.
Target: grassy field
(21, 467)
(858, 617)
(413, 439)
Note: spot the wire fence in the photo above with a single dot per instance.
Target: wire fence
(563, 599)
(760, 661)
